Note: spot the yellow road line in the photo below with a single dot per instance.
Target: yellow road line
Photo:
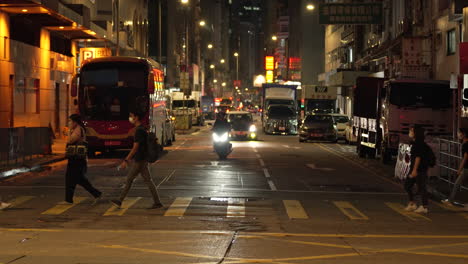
(350, 211)
(63, 207)
(435, 254)
(179, 206)
(20, 200)
(127, 203)
(358, 165)
(295, 209)
(236, 207)
(411, 215)
(453, 209)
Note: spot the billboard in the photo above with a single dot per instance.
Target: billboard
(351, 13)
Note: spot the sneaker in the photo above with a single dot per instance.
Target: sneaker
(447, 202)
(156, 206)
(421, 210)
(411, 207)
(4, 205)
(117, 203)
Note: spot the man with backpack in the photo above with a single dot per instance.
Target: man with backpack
(422, 158)
(138, 157)
(463, 167)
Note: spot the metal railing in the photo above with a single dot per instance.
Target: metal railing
(20, 144)
(449, 158)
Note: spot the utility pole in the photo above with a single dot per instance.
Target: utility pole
(117, 26)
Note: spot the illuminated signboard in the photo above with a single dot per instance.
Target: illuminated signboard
(158, 79)
(269, 76)
(93, 53)
(269, 63)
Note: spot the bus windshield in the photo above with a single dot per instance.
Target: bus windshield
(108, 91)
(420, 95)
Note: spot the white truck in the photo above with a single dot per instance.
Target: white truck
(284, 99)
(319, 99)
(188, 105)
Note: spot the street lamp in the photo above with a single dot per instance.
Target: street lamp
(215, 81)
(310, 7)
(222, 61)
(212, 66)
(274, 38)
(210, 46)
(184, 1)
(223, 84)
(202, 23)
(236, 54)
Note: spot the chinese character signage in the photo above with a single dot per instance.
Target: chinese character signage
(351, 13)
(269, 77)
(93, 53)
(269, 63)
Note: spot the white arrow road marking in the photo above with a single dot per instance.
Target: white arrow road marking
(312, 166)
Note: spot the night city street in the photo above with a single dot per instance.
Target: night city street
(233, 131)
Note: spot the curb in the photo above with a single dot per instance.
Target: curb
(25, 169)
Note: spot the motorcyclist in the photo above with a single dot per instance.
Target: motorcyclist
(221, 124)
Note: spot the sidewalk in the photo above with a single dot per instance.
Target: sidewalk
(35, 162)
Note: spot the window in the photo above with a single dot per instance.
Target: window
(26, 98)
(451, 42)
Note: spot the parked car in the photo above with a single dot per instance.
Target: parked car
(350, 136)
(341, 121)
(318, 127)
(242, 125)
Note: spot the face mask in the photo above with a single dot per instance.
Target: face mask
(131, 119)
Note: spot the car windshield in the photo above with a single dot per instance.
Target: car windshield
(239, 117)
(278, 112)
(109, 91)
(318, 119)
(183, 103)
(420, 95)
(341, 119)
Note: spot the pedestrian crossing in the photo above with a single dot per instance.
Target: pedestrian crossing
(234, 208)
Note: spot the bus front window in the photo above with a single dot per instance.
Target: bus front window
(109, 92)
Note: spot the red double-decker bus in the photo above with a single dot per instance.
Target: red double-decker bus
(107, 89)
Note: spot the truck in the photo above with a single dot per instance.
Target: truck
(385, 110)
(279, 95)
(188, 105)
(319, 99)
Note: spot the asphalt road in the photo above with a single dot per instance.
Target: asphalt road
(273, 201)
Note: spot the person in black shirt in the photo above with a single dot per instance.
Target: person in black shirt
(139, 165)
(463, 168)
(221, 124)
(418, 170)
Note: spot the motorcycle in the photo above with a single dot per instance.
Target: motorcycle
(221, 144)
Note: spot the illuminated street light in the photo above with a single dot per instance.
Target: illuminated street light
(310, 7)
(223, 84)
(184, 1)
(246, 89)
(236, 54)
(222, 61)
(274, 38)
(210, 46)
(212, 66)
(202, 23)
(215, 81)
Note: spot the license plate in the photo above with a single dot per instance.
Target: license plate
(282, 128)
(316, 135)
(112, 143)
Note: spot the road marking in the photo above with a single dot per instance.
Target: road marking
(453, 209)
(63, 207)
(127, 203)
(236, 207)
(20, 200)
(272, 185)
(262, 163)
(314, 167)
(267, 174)
(295, 209)
(350, 211)
(179, 206)
(411, 215)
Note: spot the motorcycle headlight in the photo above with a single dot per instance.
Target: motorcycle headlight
(220, 138)
(253, 128)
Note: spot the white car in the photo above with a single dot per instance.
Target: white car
(341, 121)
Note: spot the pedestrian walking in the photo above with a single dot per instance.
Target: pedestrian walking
(77, 166)
(139, 165)
(420, 155)
(463, 167)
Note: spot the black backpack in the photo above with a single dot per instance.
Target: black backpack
(431, 157)
(153, 149)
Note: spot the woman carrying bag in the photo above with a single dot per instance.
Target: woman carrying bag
(77, 160)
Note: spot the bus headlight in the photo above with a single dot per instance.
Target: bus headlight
(223, 138)
(253, 128)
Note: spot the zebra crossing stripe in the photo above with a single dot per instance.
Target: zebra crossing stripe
(127, 203)
(350, 211)
(63, 207)
(236, 207)
(20, 200)
(179, 206)
(295, 209)
(453, 209)
(399, 208)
